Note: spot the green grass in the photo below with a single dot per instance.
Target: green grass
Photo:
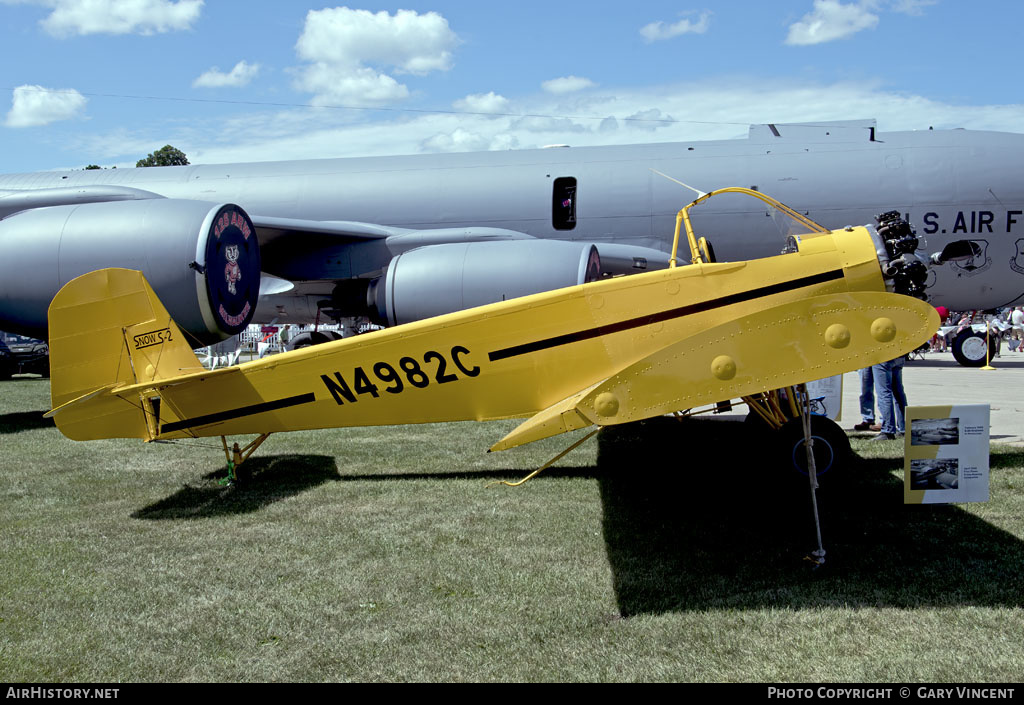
(661, 551)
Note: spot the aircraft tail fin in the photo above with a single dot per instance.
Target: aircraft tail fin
(108, 330)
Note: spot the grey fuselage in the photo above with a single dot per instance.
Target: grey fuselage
(950, 184)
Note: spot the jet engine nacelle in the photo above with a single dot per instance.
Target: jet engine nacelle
(202, 259)
(430, 281)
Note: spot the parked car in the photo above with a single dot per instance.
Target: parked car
(7, 364)
(20, 354)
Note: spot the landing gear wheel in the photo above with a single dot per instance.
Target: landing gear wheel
(304, 340)
(831, 446)
(969, 348)
(243, 474)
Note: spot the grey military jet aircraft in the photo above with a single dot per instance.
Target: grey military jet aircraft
(403, 238)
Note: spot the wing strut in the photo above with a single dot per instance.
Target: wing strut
(548, 464)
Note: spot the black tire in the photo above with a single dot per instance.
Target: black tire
(831, 447)
(304, 340)
(969, 348)
(243, 474)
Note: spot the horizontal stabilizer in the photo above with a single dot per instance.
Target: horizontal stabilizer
(79, 401)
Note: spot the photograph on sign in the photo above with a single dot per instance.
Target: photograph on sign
(939, 474)
(931, 432)
(946, 454)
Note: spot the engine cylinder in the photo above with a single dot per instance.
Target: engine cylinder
(202, 260)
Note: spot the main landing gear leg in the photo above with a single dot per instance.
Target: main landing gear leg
(816, 557)
(787, 414)
(236, 456)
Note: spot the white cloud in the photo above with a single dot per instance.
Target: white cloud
(241, 75)
(349, 51)
(650, 119)
(462, 140)
(548, 125)
(483, 103)
(912, 7)
(656, 31)
(567, 84)
(702, 110)
(80, 17)
(831, 20)
(34, 105)
(358, 86)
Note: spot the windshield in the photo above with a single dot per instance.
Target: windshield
(791, 224)
(15, 339)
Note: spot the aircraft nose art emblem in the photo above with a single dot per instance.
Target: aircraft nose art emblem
(233, 268)
(1017, 261)
(976, 265)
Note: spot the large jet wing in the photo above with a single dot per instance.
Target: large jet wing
(397, 239)
(14, 201)
(268, 228)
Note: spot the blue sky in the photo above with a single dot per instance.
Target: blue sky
(108, 81)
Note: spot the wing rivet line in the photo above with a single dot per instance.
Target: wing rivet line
(883, 329)
(837, 335)
(723, 367)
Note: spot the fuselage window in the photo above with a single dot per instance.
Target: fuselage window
(563, 203)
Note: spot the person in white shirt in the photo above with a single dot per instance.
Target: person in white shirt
(1017, 326)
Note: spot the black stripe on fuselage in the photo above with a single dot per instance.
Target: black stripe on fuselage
(680, 312)
(239, 412)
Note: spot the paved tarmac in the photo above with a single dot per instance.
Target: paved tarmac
(939, 380)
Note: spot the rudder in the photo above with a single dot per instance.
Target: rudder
(108, 330)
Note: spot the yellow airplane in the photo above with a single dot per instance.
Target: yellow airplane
(603, 353)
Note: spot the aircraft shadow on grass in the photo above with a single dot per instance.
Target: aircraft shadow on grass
(694, 520)
(19, 421)
(273, 478)
(508, 474)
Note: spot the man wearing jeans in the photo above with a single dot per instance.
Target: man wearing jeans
(867, 400)
(892, 400)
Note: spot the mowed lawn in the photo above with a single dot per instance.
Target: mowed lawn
(662, 551)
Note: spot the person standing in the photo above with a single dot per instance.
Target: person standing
(1017, 327)
(867, 400)
(891, 398)
(939, 340)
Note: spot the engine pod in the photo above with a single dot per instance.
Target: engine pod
(431, 281)
(232, 269)
(193, 253)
